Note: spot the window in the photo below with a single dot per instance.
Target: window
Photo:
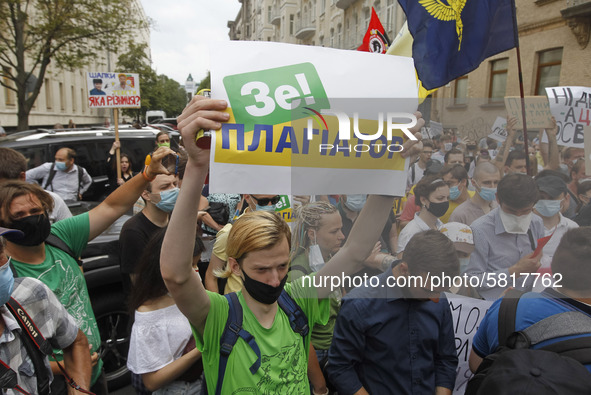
(313, 10)
(390, 15)
(291, 24)
(82, 101)
(73, 98)
(461, 90)
(48, 94)
(269, 13)
(367, 14)
(549, 63)
(498, 80)
(62, 97)
(332, 38)
(9, 94)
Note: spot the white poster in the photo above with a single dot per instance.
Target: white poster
(310, 120)
(570, 105)
(113, 90)
(467, 313)
(499, 131)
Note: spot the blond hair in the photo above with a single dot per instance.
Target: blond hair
(254, 231)
(308, 216)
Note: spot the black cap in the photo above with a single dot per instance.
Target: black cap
(552, 185)
(433, 167)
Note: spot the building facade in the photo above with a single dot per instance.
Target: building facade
(553, 36)
(327, 23)
(64, 96)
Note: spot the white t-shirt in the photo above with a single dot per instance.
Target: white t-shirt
(157, 338)
(413, 227)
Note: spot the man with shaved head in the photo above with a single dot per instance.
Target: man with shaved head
(485, 180)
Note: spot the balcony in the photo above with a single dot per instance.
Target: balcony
(275, 15)
(305, 29)
(578, 16)
(344, 4)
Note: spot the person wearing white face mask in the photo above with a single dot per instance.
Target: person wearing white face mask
(316, 237)
(506, 238)
(553, 201)
(485, 181)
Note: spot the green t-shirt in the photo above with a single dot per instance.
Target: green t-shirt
(284, 356)
(61, 273)
(321, 334)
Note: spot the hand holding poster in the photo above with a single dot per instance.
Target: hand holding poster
(310, 120)
(537, 111)
(113, 90)
(499, 129)
(570, 105)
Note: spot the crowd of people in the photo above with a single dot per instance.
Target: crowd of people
(227, 297)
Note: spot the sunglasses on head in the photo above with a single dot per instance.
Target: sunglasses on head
(266, 201)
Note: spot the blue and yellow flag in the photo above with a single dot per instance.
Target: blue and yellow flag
(452, 37)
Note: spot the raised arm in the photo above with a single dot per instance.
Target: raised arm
(503, 153)
(177, 248)
(123, 198)
(553, 156)
(366, 230)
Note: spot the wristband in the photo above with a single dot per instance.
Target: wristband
(324, 393)
(146, 176)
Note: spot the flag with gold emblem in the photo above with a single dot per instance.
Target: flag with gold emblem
(452, 37)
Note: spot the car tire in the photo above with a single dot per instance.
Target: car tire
(113, 322)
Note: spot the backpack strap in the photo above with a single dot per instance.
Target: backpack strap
(412, 178)
(33, 341)
(578, 349)
(568, 323)
(532, 243)
(232, 332)
(507, 312)
(79, 180)
(52, 172)
(56, 242)
(297, 319)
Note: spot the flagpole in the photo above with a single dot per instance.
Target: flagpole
(520, 72)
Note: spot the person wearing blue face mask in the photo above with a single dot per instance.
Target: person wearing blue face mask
(553, 201)
(48, 314)
(456, 178)
(63, 176)
(485, 181)
(160, 196)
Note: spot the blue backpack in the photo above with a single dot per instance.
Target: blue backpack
(233, 330)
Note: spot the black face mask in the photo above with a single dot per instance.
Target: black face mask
(438, 209)
(35, 227)
(261, 292)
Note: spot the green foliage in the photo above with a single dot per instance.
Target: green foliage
(158, 92)
(67, 33)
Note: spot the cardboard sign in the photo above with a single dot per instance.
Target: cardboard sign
(537, 111)
(295, 123)
(435, 128)
(499, 131)
(113, 90)
(570, 105)
(467, 313)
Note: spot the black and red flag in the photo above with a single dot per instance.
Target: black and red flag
(375, 40)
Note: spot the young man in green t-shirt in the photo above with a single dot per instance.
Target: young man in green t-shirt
(25, 206)
(258, 251)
